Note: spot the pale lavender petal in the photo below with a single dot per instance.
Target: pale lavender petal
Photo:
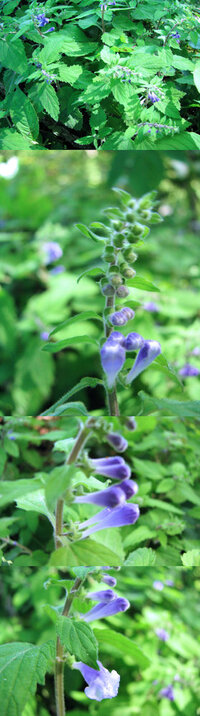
(162, 634)
(102, 684)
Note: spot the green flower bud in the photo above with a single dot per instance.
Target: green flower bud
(122, 291)
(116, 279)
(130, 255)
(127, 271)
(137, 229)
(109, 254)
(145, 214)
(119, 240)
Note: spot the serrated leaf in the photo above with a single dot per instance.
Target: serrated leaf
(11, 491)
(123, 644)
(22, 666)
(191, 558)
(142, 557)
(23, 115)
(78, 638)
(69, 73)
(86, 552)
(182, 409)
(49, 100)
(13, 56)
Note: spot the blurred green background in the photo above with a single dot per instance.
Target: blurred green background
(28, 601)
(42, 196)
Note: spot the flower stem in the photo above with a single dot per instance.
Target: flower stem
(80, 440)
(59, 665)
(111, 395)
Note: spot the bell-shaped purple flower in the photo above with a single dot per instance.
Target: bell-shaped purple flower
(129, 487)
(189, 371)
(102, 684)
(117, 441)
(110, 497)
(147, 354)
(120, 318)
(104, 595)
(116, 337)
(117, 517)
(52, 251)
(133, 342)
(114, 467)
(112, 359)
(110, 581)
(162, 634)
(167, 692)
(107, 609)
(159, 586)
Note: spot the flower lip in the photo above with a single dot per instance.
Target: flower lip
(107, 609)
(112, 360)
(147, 354)
(102, 684)
(118, 517)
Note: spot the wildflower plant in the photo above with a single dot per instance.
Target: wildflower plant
(111, 75)
(127, 227)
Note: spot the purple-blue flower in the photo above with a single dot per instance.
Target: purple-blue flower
(176, 36)
(117, 441)
(147, 354)
(133, 342)
(120, 318)
(52, 251)
(151, 307)
(169, 582)
(110, 497)
(116, 337)
(110, 581)
(189, 371)
(57, 269)
(114, 467)
(158, 585)
(42, 20)
(116, 517)
(102, 684)
(44, 335)
(167, 692)
(107, 609)
(153, 96)
(50, 30)
(104, 595)
(195, 351)
(112, 359)
(162, 634)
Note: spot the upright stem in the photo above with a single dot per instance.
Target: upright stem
(59, 665)
(80, 440)
(111, 395)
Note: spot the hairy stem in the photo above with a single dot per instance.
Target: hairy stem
(80, 440)
(59, 665)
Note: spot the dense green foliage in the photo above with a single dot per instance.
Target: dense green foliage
(163, 454)
(115, 75)
(42, 202)
(31, 602)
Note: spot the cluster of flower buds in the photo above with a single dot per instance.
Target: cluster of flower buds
(113, 354)
(120, 318)
(42, 20)
(102, 684)
(116, 512)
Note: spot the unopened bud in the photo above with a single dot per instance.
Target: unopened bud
(131, 424)
(122, 291)
(137, 229)
(130, 255)
(116, 279)
(127, 271)
(108, 290)
(119, 240)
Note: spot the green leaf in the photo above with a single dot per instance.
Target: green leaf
(191, 558)
(11, 491)
(182, 409)
(123, 644)
(58, 481)
(137, 536)
(87, 232)
(74, 340)
(142, 557)
(142, 284)
(96, 271)
(35, 502)
(75, 408)
(78, 638)
(49, 100)
(78, 317)
(69, 73)
(196, 75)
(83, 383)
(22, 667)
(24, 115)
(13, 56)
(9, 139)
(86, 552)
